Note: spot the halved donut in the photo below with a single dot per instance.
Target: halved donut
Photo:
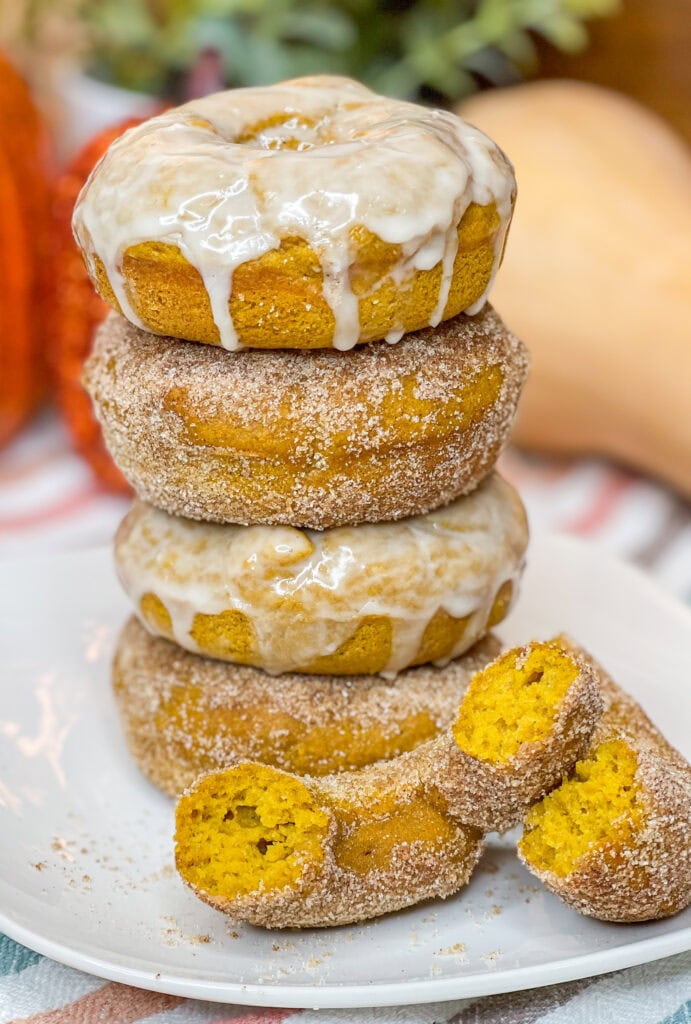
(279, 851)
(613, 840)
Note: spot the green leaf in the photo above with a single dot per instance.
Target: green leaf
(564, 32)
(396, 48)
(329, 28)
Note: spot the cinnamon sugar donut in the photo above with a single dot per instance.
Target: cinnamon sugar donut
(614, 840)
(184, 715)
(308, 214)
(307, 439)
(352, 600)
(282, 851)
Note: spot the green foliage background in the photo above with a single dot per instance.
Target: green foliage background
(399, 47)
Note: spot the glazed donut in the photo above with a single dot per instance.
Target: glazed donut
(374, 598)
(614, 840)
(184, 715)
(282, 851)
(309, 214)
(307, 439)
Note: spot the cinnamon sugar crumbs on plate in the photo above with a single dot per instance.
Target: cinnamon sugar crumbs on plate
(458, 949)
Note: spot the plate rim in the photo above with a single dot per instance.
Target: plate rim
(390, 993)
(399, 993)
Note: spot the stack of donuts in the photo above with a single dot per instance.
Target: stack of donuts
(307, 391)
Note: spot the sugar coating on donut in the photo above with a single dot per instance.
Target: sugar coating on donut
(351, 600)
(389, 843)
(184, 715)
(311, 439)
(525, 719)
(359, 865)
(227, 179)
(396, 831)
(613, 839)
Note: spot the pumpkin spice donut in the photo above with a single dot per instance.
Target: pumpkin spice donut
(307, 439)
(374, 598)
(184, 715)
(282, 851)
(307, 214)
(614, 839)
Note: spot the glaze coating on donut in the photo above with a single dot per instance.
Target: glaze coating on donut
(307, 214)
(282, 851)
(307, 439)
(614, 840)
(374, 598)
(184, 715)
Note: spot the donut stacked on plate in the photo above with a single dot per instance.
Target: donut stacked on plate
(306, 390)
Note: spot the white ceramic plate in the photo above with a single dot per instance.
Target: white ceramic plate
(85, 843)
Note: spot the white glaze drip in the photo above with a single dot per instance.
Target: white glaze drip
(404, 173)
(305, 591)
(394, 336)
(448, 259)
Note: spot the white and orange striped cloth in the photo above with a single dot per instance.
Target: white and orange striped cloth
(49, 501)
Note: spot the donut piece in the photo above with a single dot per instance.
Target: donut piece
(308, 214)
(282, 851)
(184, 715)
(374, 598)
(614, 839)
(307, 439)
(524, 717)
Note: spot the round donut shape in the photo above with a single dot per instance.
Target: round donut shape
(282, 851)
(374, 598)
(184, 715)
(307, 439)
(308, 214)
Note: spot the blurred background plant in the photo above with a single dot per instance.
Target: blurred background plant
(93, 65)
(441, 49)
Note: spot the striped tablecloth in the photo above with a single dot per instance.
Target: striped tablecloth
(48, 501)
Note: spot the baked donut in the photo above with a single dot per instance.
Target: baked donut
(374, 598)
(184, 715)
(308, 214)
(307, 439)
(614, 839)
(282, 851)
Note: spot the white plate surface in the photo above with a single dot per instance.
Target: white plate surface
(85, 843)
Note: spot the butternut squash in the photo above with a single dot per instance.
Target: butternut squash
(597, 275)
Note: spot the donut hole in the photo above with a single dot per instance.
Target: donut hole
(514, 701)
(285, 131)
(598, 809)
(246, 829)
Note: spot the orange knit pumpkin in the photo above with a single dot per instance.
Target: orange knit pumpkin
(25, 251)
(78, 312)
